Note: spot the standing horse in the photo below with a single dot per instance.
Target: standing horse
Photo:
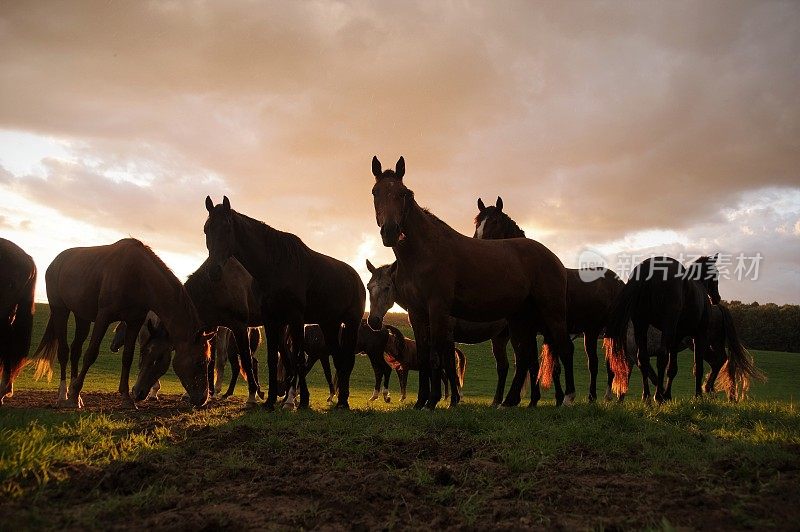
(590, 296)
(17, 284)
(442, 273)
(119, 282)
(298, 286)
(675, 300)
(383, 295)
(403, 356)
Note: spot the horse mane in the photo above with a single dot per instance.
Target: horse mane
(508, 225)
(282, 246)
(180, 291)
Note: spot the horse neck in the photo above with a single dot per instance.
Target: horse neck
(252, 257)
(171, 303)
(422, 231)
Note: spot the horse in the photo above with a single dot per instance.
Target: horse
(442, 273)
(231, 305)
(17, 284)
(664, 294)
(298, 286)
(151, 330)
(119, 282)
(383, 295)
(402, 355)
(590, 295)
(370, 342)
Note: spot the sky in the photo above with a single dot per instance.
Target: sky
(610, 129)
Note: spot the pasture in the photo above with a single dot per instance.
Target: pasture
(688, 463)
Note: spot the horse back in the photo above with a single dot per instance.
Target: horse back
(589, 302)
(15, 275)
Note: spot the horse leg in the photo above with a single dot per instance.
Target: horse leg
(211, 369)
(700, 348)
(346, 359)
(665, 354)
(642, 356)
(259, 391)
(590, 346)
(60, 316)
(233, 362)
(402, 377)
(377, 370)
(451, 375)
(501, 364)
(272, 331)
(298, 361)
(609, 395)
(101, 324)
(557, 383)
(81, 333)
(440, 352)
(387, 372)
(672, 370)
(419, 324)
(131, 333)
(523, 340)
(325, 362)
(242, 338)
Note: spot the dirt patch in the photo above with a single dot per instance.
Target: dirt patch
(215, 478)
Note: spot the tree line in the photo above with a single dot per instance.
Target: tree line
(768, 327)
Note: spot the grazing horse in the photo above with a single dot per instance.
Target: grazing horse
(152, 335)
(590, 296)
(298, 286)
(664, 294)
(17, 283)
(402, 355)
(232, 305)
(383, 295)
(442, 273)
(119, 282)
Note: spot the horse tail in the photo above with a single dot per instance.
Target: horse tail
(740, 366)
(399, 340)
(549, 361)
(22, 329)
(461, 366)
(617, 332)
(46, 352)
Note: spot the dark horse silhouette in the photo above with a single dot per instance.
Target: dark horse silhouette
(383, 295)
(676, 300)
(119, 282)
(298, 286)
(17, 283)
(590, 297)
(442, 273)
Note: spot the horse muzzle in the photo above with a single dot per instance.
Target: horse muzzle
(390, 233)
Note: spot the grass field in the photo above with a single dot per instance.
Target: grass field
(691, 463)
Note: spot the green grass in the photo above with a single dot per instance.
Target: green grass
(630, 465)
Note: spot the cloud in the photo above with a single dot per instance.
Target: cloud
(593, 121)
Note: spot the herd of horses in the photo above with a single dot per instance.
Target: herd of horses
(497, 286)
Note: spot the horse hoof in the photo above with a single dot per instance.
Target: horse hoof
(387, 399)
(68, 403)
(288, 406)
(532, 404)
(419, 405)
(260, 394)
(569, 400)
(591, 398)
(342, 405)
(269, 407)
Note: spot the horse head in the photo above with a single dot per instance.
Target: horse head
(381, 293)
(220, 237)
(392, 199)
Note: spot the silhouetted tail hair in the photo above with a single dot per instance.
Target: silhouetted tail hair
(21, 330)
(548, 363)
(740, 367)
(617, 332)
(46, 352)
(461, 367)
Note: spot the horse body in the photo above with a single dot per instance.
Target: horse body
(383, 295)
(298, 286)
(17, 285)
(118, 282)
(403, 356)
(590, 296)
(441, 273)
(677, 301)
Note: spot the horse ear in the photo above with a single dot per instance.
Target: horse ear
(499, 203)
(370, 267)
(226, 204)
(481, 206)
(377, 171)
(209, 204)
(400, 168)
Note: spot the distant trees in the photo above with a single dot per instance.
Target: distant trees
(770, 327)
